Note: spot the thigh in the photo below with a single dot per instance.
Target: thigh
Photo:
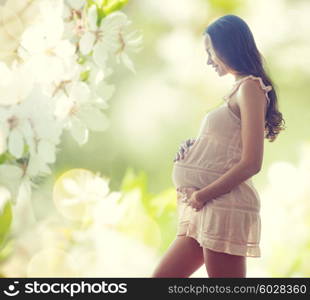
(220, 264)
(183, 258)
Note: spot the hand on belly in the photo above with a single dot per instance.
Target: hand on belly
(184, 192)
(183, 149)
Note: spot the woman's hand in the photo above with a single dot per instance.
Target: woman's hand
(185, 192)
(191, 197)
(184, 147)
(196, 202)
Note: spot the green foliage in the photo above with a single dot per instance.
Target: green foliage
(109, 6)
(6, 156)
(5, 221)
(150, 212)
(106, 7)
(81, 59)
(151, 218)
(225, 6)
(6, 250)
(85, 75)
(2, 158)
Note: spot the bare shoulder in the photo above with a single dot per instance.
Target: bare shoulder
(251, 92)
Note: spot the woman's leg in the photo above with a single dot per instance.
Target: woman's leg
(220, 264)
(182, 259)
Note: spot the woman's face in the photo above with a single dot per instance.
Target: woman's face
(213, 59)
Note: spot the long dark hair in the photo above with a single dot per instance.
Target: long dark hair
(234, 44)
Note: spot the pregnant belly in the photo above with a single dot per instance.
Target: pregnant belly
(183, 175)
(243, 196)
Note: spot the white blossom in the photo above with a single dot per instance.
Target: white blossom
(53, 65)
(10, 178)
(76, 191)
(43, 48)
(16, 83)
(112, 37)
(74, 107)
(75, 4)
(15, 17)
(38, 128)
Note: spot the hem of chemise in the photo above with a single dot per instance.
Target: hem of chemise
(223, 246)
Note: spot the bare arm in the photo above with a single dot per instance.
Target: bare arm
(251, 101)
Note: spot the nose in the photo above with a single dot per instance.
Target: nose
(209, 61)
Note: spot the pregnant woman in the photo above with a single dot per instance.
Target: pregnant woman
(218, 205)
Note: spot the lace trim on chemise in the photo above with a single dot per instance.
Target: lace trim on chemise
(266, 88)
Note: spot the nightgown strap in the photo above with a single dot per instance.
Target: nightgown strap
(266, 88)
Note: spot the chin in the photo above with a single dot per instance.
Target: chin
(221, 73)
